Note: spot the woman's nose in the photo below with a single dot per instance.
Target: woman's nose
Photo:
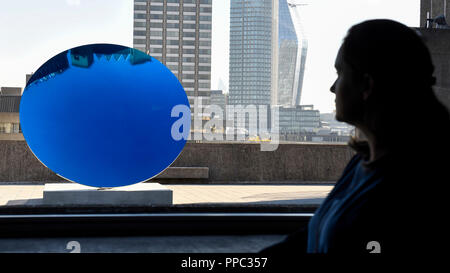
(332, 88)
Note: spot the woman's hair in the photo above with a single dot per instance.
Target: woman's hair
(400, 65)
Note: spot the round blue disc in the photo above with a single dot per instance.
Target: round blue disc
(105, 115)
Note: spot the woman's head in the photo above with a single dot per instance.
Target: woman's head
(385, 72)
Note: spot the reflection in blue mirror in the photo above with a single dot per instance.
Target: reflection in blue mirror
(105, 115)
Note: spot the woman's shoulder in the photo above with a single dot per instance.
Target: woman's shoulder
(350, 168)
(353, 162)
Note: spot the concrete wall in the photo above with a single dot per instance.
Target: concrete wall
(438, 41)
(237, 162)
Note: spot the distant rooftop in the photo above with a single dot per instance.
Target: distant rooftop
(11, 91)
(9, 104)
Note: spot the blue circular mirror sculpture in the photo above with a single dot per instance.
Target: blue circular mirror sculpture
(105, 115)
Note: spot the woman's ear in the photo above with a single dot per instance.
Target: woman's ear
(368, 86)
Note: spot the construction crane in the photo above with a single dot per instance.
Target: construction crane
(296, 4)
(303, 46)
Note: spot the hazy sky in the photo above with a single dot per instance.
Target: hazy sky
(32, 31)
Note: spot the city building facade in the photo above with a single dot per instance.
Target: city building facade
(178, 34)
(10, 91)
(298, 119)
(292, 51)
(27, 78)
(253, 52)
(219, 98)
(9, 113)
(329, 124)
(268, 49)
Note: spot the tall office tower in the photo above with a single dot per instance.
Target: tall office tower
(267, 52)
(178, 33)
(292, 50)
(253, 52)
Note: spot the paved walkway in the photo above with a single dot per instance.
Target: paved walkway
(182, 194)
(194, 194)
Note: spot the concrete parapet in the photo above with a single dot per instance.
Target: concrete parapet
(438, 42)
(226, 162)
(184, 173)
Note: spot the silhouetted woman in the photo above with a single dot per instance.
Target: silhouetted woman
(390, 196)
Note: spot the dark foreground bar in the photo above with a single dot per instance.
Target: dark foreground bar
(134, 223)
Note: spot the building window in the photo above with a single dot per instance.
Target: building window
(140, 16)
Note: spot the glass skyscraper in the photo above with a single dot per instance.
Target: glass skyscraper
(267, 53)
(252, 51)
(292, 50)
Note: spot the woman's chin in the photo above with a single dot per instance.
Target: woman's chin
(339, 117)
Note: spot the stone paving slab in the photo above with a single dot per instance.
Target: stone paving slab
(195, 194)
